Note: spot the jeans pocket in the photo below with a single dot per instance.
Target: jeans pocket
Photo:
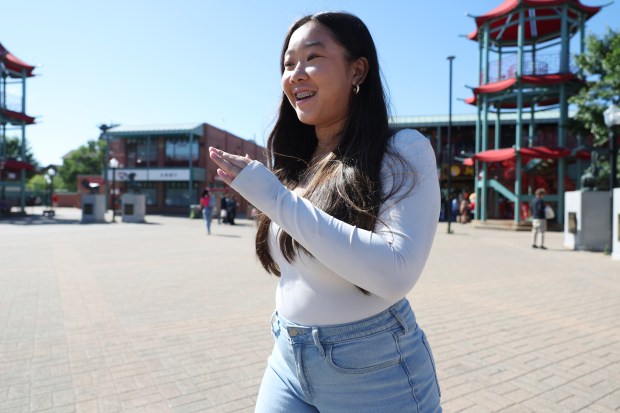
(363, 355)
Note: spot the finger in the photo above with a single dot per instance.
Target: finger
(226, 166)
(225, 177)
(239, 161)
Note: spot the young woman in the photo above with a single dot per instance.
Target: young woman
(349, 212)
(207, 208)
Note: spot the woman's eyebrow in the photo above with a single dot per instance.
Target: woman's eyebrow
(307, 45)
(317, 43)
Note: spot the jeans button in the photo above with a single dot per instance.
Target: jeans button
(292, 332)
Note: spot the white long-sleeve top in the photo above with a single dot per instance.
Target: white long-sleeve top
(321, 289)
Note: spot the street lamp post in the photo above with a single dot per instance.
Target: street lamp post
(49, 178)
(106, 136)
(449, 203)
(113, 166)
(612, 120)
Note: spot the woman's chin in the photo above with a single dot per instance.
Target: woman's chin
(305, 118)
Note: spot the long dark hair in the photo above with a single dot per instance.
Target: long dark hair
(348, 185)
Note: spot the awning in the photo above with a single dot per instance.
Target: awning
(492, 155)
(534, 152)
(13, 64)
(506, 12)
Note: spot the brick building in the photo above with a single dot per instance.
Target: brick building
(170, 164)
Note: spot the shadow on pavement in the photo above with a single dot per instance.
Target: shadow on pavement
(242, 224)
(44, 220)
(36, 220)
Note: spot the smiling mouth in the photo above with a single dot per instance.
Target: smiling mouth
(304, 95)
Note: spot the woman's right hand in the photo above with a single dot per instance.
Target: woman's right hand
(229, 165)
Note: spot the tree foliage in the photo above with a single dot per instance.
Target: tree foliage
(13, 151)
(86, 160)
(600, 65)
(39, 183)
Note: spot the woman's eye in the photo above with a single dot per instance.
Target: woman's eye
(312, 57)
(288, 65)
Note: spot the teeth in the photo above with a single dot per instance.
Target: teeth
(304, 95)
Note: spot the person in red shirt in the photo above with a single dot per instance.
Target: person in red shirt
(207, 208)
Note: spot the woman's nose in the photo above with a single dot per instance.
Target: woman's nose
(299, 73)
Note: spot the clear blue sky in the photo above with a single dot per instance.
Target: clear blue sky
(148, 62)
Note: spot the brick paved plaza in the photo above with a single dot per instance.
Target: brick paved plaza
(160, 317)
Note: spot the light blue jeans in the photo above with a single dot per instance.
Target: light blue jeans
(206, 215)
(380, 364)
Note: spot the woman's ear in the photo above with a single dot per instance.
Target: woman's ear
(360, 70)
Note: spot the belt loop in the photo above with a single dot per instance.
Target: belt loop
(400, 320)
(275, 324)
(315, 337)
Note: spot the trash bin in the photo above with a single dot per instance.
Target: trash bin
(195, 211)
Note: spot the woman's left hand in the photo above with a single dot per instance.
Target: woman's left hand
(229, 165)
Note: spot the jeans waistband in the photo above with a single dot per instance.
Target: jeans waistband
(399, 313)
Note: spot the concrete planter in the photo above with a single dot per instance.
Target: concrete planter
(133, 207)
(93, 208)
(587, 223)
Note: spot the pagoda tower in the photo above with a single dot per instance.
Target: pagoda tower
(13, 75)
(525, 67)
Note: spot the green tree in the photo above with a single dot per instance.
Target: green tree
(13, 151)
(600, 65)
(38, 183)
(86, 160)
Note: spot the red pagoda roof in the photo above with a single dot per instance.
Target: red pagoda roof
(11, 164)
(13, 64)
(534, 29)
(526, 80)
(472, 100)
(16, 117)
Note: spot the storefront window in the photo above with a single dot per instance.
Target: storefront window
(140, 154)
(149, 189)
(178, 194)
(178, 152)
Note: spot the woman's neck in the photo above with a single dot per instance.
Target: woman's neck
(327, 142)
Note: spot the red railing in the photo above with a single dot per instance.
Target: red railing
(540, 64)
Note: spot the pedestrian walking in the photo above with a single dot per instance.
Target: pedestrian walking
(231, 210)
(222, 216)
(539, 219)
(464, 209)
(348, 215)
(207, 208)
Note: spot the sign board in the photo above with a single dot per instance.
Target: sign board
(163, 174)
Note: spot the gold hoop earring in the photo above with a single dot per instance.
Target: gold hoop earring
(356, 89)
